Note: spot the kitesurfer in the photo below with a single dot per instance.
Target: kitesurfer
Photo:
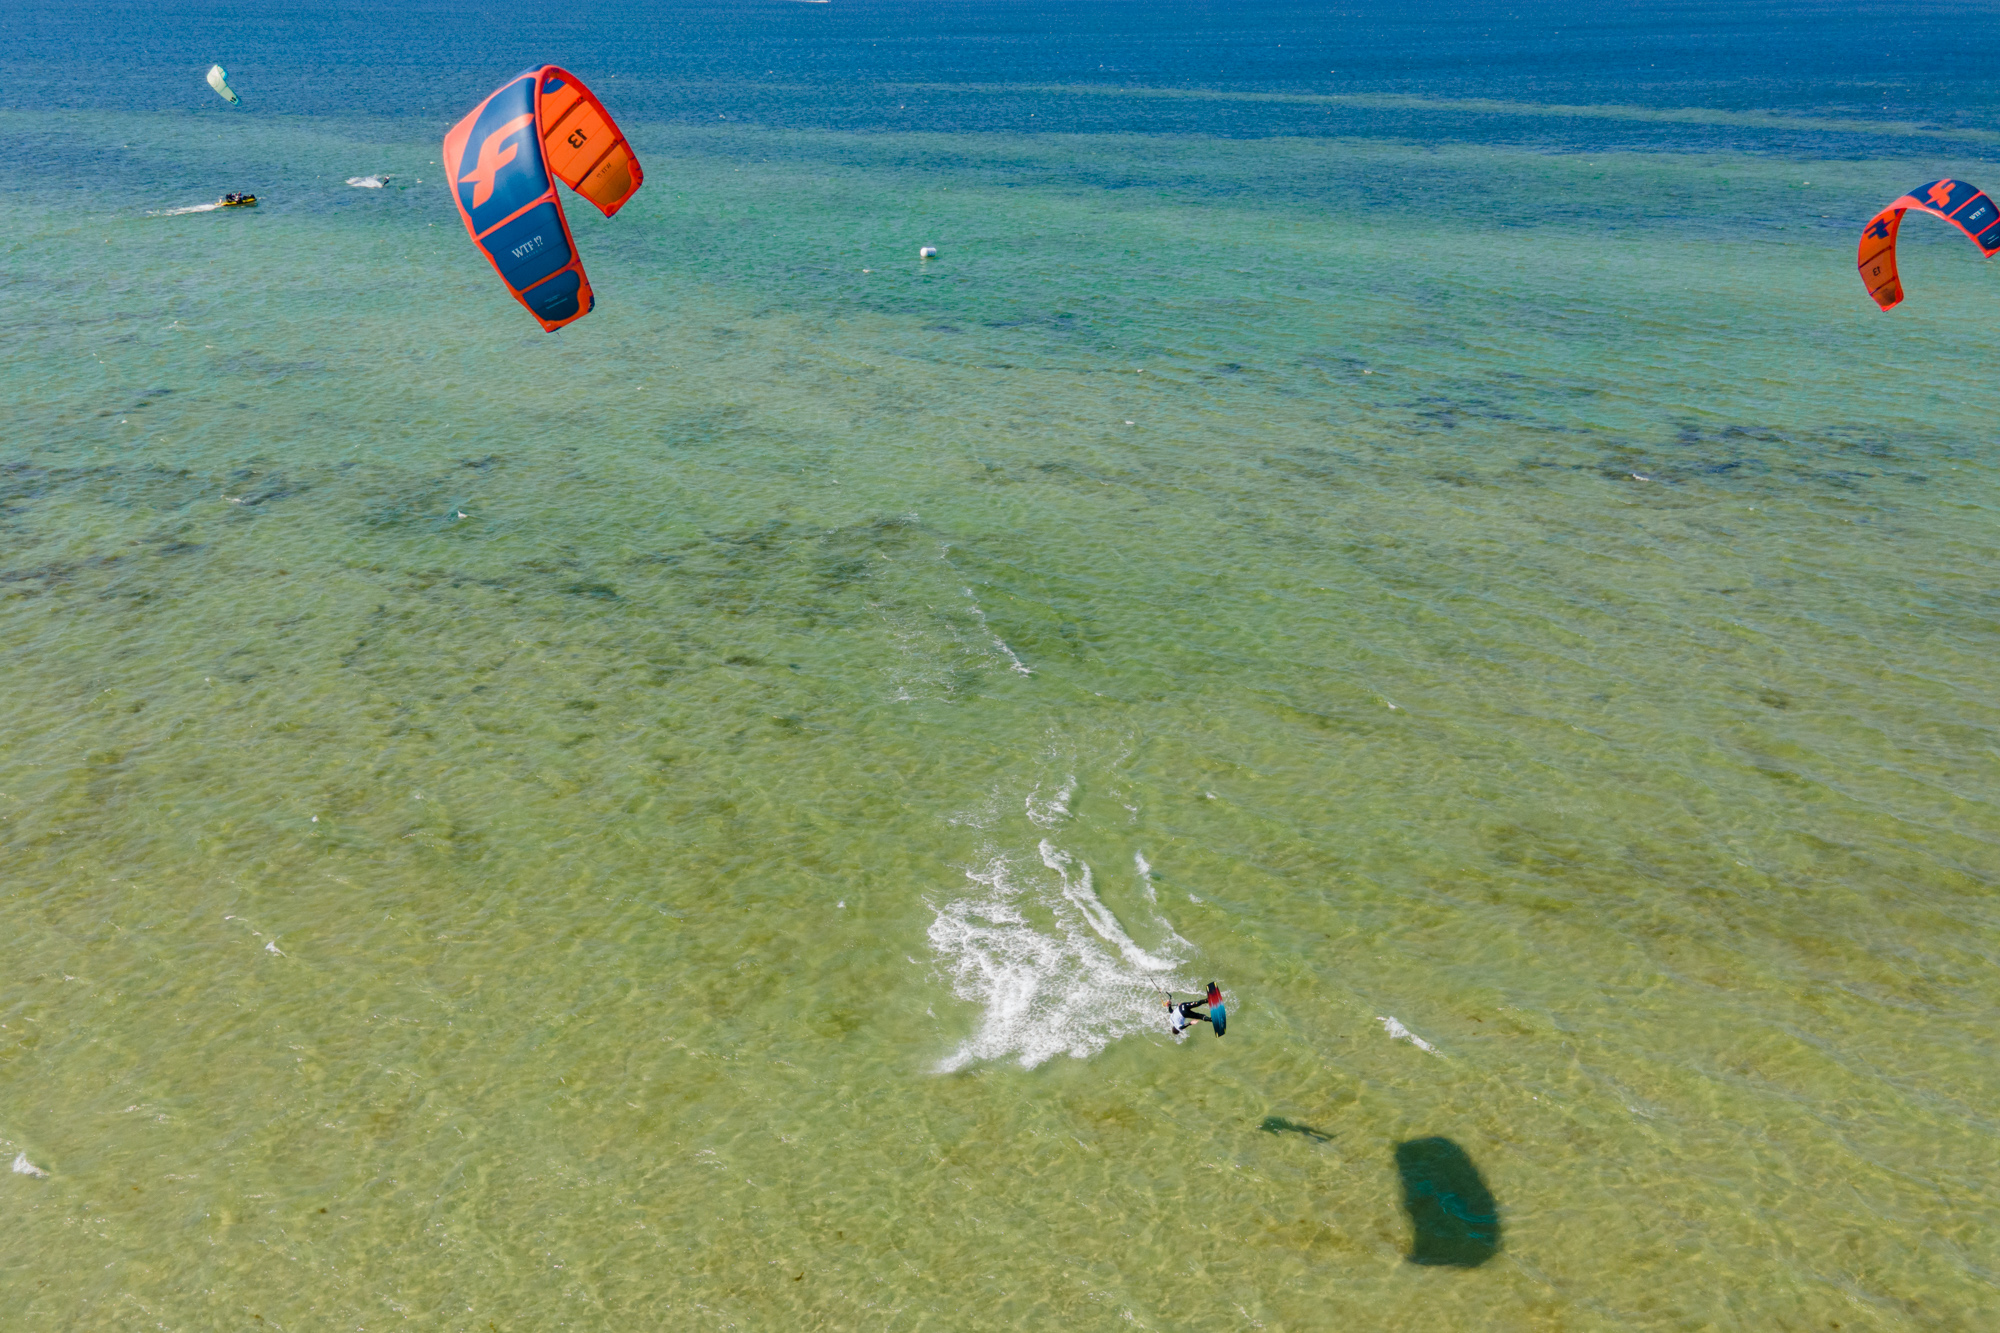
(1182, 1013)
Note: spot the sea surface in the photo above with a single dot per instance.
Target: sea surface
(689, 822)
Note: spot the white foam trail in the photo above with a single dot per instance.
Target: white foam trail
(1146, 882)
(939, 652)
(177, 212)
(368, 182)
(1045, 993)
(1397, 1032)
(998, 642)
(1049, 813)
(24, 1167)
(1084, 897)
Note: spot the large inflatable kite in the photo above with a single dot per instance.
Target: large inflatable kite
(503, 161)
(1964, 206)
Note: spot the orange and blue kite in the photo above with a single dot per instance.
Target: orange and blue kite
(503, 161)
(1964, 206)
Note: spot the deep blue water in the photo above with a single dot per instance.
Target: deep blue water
(851, 64)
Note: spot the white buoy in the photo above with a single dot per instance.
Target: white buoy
(927, 252)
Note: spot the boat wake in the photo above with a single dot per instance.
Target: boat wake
(178, 212)
(368, 182)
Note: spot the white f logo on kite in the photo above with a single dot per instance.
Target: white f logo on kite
(491, 158)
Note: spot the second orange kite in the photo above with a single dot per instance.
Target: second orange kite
(1964, 206)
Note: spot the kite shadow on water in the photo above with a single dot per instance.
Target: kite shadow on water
(1454, 1218)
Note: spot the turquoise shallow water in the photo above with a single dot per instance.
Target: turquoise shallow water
(686, 820)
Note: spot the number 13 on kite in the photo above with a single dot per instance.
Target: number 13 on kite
(502, 162)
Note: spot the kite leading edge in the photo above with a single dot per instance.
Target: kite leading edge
(1964, 206)
(503, 160)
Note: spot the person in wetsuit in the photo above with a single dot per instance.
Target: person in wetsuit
(1179, 1015)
